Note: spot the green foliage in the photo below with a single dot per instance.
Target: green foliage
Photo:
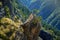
(21, 11)
(8, 27)
(52, 30)
(58, 38)
(7, 11)
(0, 4)
(36, 11)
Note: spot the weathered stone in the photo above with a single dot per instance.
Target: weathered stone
(32, 28)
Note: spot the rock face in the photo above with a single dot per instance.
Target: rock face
(17, 30)
(31, 28)
(19, 36)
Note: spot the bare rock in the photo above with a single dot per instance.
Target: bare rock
(32, 27)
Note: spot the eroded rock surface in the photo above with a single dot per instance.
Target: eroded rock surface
(31, 28)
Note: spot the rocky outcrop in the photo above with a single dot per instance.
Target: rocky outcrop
(17, 30)
(31, 28)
